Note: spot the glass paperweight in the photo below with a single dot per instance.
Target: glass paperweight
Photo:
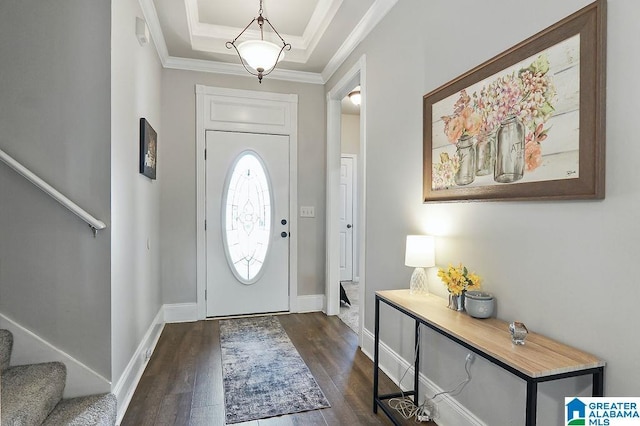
(518, 332)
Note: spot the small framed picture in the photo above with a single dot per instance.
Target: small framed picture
(148, 149)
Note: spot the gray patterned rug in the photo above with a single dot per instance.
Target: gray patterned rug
(263, 373)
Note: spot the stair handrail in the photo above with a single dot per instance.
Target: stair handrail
(94, 223)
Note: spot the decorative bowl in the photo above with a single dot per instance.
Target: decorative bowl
(479, 304)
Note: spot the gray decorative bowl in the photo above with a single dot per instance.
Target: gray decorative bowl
(479, 304)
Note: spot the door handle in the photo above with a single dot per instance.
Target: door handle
(349, 226)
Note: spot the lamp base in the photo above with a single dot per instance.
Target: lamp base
(418, 283)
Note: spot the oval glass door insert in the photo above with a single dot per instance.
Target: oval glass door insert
(246, 217)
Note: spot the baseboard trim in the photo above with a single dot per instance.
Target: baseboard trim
(310, 303)
(29, 348)
(129, 379)
(188, 312)
(180, 312)
(451, 412)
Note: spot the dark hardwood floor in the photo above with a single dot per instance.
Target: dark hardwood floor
(182, 384)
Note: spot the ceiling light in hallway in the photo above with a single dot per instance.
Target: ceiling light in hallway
(259, 55)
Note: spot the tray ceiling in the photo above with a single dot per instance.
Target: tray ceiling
(191, 34)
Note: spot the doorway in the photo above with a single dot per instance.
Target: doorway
(355, 76)
(246, 112)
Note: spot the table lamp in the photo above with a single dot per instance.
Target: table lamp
(420, 254)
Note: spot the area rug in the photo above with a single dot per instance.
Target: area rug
(263, 374)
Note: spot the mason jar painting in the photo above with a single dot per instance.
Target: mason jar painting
(485, 154)
(509, 165)
(465, 150)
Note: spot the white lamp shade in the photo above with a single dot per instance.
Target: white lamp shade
(260, 54)
(420, 251)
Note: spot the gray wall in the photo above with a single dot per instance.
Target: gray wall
(350, 134)
(565, 268)
(135, 241)
(178, 198)
(54, 119)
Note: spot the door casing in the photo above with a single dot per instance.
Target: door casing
(238, 110)
(356, 74)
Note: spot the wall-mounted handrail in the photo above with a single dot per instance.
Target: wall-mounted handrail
(94, 223)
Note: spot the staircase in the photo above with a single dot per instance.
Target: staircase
(31, 395)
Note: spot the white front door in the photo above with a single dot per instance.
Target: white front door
(346, 219)
(247, 223)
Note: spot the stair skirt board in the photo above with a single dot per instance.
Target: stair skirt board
(128, 380)
(28, 348)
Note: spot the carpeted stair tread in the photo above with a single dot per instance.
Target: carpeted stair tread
(6, 343)
(98, 410)
(30, 392)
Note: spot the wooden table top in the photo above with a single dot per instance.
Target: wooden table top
(539, 357)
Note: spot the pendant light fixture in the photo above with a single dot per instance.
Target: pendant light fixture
(259, 57)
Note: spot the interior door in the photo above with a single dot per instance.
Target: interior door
(346, 219)
(247, 230)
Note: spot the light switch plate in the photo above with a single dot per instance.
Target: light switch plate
(307, 211)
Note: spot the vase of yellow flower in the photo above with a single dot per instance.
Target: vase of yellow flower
(458, 280)
(456, 302)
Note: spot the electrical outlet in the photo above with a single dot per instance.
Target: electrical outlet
(148, 353)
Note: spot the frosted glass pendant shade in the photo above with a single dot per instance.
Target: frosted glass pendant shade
(260, 55)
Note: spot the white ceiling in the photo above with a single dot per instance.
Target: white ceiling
(191, 34)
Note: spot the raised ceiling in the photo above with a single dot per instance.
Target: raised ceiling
(191, 34)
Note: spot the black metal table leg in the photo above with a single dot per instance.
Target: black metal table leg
(376, 350)
(416, 366)
(532, 403)
(598, 382)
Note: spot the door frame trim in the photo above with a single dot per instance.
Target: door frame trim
(357, 73)
(285, 114)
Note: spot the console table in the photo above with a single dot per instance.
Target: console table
(540, 359)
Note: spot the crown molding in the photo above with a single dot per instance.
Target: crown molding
(200, 65)
(318, 24)
(151, 17)
(212, 38)
(373, 16)
(368, 22)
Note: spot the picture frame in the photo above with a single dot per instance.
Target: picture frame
(148, 149)
(532, 118)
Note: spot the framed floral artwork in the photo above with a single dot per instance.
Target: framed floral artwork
(527, 124)
(148, 149)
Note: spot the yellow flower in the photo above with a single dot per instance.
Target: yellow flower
(459, 279)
